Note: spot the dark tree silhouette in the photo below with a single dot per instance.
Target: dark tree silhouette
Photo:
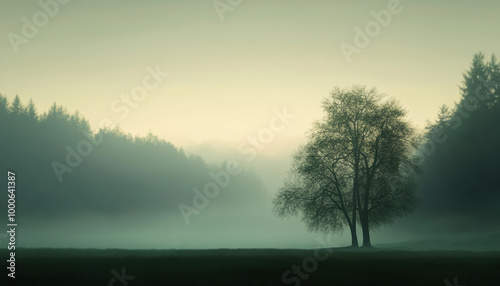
(121, 173)
(355, 163)
(461, 169)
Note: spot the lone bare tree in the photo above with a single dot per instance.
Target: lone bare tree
(354, 167)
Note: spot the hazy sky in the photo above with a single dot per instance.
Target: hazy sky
(226, 76)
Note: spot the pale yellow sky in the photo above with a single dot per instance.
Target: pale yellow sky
(226, 76)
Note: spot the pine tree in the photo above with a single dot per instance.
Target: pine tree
(17, 108)
(461, 172)
(481, 84)
(31, 111)
(4, 105)
(494, 69)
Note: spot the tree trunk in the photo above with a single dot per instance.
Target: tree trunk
(363, 218)
(354, 236)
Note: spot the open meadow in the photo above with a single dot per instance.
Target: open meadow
(255, 267)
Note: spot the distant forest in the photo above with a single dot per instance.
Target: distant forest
(460, 158)
(117, 174)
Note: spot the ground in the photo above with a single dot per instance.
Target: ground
(253, 267)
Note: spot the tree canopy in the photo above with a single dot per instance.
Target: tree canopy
(353, 167)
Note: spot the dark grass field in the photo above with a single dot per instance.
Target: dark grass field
(252, 267)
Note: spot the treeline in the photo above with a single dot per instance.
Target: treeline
(462, 151)
(63, 167)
